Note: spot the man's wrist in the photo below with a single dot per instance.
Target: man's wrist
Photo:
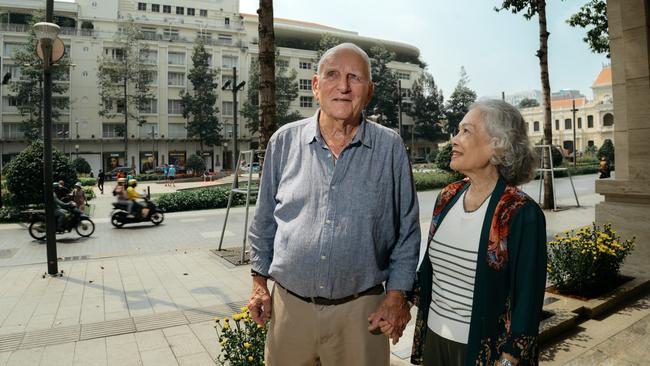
(254, 273)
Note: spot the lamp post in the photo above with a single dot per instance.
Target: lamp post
(235, 88)
(46, 32)
(399, 106)
(573, 124)
(5, 81)
(76, 151)
(153, 135)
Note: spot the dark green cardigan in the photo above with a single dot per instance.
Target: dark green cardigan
(510, 278)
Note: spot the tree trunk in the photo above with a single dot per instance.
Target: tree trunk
(268, 125)
(546, 91)
(126, 125)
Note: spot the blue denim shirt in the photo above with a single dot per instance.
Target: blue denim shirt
(333, 230)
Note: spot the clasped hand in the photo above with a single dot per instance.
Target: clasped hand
(391, 317)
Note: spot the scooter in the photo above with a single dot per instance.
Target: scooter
(148, 212)
(76, 220)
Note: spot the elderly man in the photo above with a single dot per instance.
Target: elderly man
(337, 217)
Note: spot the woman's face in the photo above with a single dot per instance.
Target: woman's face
(472, 147)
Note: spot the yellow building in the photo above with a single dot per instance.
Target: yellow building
(594, 118)
(170, 29)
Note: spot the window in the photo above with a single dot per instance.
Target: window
(190, 11)
(110, 130)
(557, 124)
(229, 61)
(155, 8)
(151, 77)
(306, 102)
(305, 84)
(206, 36)
(176, 78)
(527, 126)
(590, 121)
(406, 93)
(150, 107)
(9, 102)
(608, 120)
(10, 48)
(170, 34)
(225, 39)
(114, 53)
(305, 65)
(227, 108)
(567, 124)
(15, 71)
(180, 10)
(60, 130)
(142, 6)
(167, 9)
(176, 58)
(149, 56)
(145, 130)
(403, 75)
(579, 122)
(148, 33)
(120, 105)
(590, 143)
(282, 62)
(203, 13)
(174, 107)
(176, 129)
(536, 126)
(12, 131)
(226, 22)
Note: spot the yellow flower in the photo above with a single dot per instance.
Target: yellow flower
(244, 309)
(216, 319)
(226, 319)
(250, 358)
(226, 325)
(247, 345)
(236, 317)
(223, 343)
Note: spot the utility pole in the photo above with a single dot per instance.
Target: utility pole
(235, 88)
(573, 125)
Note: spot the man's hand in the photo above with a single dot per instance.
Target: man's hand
(259, 304)
(392, 316)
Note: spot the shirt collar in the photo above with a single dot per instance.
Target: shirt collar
(312, 133)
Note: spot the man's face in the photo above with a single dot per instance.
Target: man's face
(343, 87)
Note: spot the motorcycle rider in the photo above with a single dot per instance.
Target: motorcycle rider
(132, 195)
(120, 193)
(61, 209)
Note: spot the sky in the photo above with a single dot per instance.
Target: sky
(496, 49)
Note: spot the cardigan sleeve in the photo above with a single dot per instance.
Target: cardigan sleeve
(527, 247)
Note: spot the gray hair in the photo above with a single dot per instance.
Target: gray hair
(349, 47)
(514, 157)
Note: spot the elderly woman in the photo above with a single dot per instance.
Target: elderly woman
(480, 286)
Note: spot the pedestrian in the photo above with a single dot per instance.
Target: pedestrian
(92, 173)
(481, 283)
(166, 174)
(100, 180)
(171, 174)
(79, 197)
(331, 228)
(603, 168)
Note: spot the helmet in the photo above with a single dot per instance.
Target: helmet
(78, 184)
(55, 185)
(133, 182)
(121, 181)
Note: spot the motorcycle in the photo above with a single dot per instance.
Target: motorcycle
(120, 215)
(76, 220)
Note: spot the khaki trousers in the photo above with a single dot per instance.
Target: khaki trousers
(305, 334)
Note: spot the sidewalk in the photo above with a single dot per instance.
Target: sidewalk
(157, 309)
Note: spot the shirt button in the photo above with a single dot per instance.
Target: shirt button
(321, 286)
(328, 221)
(323, 257)
(334, 188)
(329, 155)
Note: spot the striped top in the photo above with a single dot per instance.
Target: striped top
(453, 252)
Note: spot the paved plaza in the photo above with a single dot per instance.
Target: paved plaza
(147, 295)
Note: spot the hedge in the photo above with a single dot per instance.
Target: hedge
(434, 180)
(9, 214)
(148, 177)
(86, 182)
(199, 199)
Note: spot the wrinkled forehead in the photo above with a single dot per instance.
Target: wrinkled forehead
(346, 60)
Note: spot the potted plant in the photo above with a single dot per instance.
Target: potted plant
(242, 340)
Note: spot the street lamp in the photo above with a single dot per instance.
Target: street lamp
(5, 81)
(46, 33)
(235, 88)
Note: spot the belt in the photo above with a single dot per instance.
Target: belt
(375, 290)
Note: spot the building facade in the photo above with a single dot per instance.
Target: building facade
(169, 29)
(594, 119)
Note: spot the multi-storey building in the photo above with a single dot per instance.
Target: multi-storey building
(170, 29)
(594, 119)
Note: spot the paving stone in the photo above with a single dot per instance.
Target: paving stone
(58, 355)
(26, 357)
(151, 340)
(185, 344)
(158, 357)
(91, 352)
(198, 359)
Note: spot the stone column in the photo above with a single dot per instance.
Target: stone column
(627, 198)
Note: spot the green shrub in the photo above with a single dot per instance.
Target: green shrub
(88, 182)
(81, 166)
(432, 156)
(580, 261)
(195, 164)
(607, 150)
(9, 214)
(147, 177)
(428, 181)
(591, 150)
(25, 173)
(444, 158)
(90, 193)
(242, 340)
(199, 199)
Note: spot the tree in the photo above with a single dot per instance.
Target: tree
(427, 108)
(25, 173)
(81, 166)
(385, 97)
(594, 15)
(195, 163)
(528, 103)
(28, 91)
(286, 92)
(443, 159)
(607, 150)
(530, 9)
(268, 76)
(199, 106)
(459, 102)
(125, 78)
